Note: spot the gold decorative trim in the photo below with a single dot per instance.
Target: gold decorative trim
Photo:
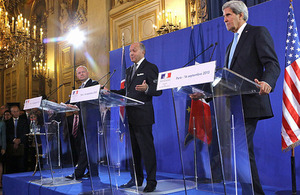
(141, 18)
(123, 26)
(66, 57)
(131, 8)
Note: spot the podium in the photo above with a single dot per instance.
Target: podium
(108, 148)
(52, 145)
(217, 147)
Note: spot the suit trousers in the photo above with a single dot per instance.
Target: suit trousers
(250, 124)
(143, 149)
(82, 159)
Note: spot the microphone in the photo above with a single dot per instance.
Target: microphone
(198, 55)
(216, 43)
(55, 90)
(108, 79)
(103, 76)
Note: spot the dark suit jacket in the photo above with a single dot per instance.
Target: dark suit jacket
(69, 123)
(255, 57)
(143, 114)
(22, 129)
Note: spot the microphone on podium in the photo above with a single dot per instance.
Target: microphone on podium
(216, 43)
(102, 87)
(103, 76)
(55, 90)
(211, 45)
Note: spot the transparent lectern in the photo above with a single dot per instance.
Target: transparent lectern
(108, 148)
(216, 143)
(52, 145)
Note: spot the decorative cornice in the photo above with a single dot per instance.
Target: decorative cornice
(127, 8)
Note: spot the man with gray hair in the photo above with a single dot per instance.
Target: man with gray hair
(251, 54)
(140, 84)
(75, 128)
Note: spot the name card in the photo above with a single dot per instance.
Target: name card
(85, 94)
(191, 75)
(33, 103)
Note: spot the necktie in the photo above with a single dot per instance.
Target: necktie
(233, 46)
(15, 124)
(133, 70)
(75, 125)
(81, 86)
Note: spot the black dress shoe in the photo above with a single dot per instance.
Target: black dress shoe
(86, 176)
(150, 187)
(131, 183)
(72, 176)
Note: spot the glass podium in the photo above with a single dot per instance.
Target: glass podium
(216, 142)
(53, 156)
(108, 148)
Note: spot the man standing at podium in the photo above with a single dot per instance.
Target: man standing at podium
(76, 131)
(251, 54)
(140, 84)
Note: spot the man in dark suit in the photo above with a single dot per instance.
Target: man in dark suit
(251, 54)
(140, 84)
(75, 128)
(16, 130)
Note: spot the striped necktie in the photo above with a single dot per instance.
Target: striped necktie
(81, 86)
(75, 125)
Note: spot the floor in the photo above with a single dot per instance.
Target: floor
(167, 184)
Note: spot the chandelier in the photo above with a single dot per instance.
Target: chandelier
(167, 23)
(21, 41)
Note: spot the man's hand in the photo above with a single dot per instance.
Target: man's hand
(17, 141)
(143, 87)
(2, 151)
(265, 88)
(72, 106)
(105, 91)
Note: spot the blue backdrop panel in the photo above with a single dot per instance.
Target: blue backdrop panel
(171, 51)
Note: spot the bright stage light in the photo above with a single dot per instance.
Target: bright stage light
(76, 37)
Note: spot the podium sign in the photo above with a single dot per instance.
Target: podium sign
(85, 94)
(32, 103)
(196, 74)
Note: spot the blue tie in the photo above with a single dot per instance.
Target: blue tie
(233, 46)
(15, 129)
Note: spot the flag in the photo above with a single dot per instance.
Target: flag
(201, 117)
(290, 129)
(197, 110)
(122, 113)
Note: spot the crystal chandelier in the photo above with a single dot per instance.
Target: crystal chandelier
(18, 40)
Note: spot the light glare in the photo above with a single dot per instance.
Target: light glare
(76, 37)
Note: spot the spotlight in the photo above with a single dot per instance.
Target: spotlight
(75, 37)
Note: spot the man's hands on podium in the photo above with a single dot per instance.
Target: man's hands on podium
(265, 88)
(72, 106)
(104, 91)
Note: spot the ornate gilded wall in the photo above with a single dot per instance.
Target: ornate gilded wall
(103, 21)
